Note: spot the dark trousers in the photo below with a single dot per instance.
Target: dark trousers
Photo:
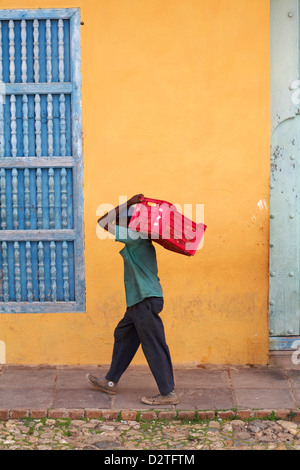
(141, 324)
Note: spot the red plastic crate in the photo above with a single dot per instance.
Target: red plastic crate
(161, 222)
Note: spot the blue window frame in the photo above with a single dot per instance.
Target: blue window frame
(41, 189)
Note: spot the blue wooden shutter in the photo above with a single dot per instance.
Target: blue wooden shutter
(41, 200)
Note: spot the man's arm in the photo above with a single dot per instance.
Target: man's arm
(108, 220)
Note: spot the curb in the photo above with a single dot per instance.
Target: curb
(133, 415)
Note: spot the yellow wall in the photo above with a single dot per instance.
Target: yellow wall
(175, 97)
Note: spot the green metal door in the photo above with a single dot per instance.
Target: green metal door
(284, 291)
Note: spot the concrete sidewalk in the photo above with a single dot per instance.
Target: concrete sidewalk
(211, 390)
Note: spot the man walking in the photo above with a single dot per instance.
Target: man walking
(141, 323)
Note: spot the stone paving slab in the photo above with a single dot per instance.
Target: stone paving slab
(259, 378)
(205, 399)
(201, 378)
(264, 398)
(20, 398)
(29, 378)
(26, 387)
(81, 399)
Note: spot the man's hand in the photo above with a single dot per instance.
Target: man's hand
(108, 220)
(135, 199)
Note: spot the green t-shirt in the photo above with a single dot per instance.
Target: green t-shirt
(140, 266)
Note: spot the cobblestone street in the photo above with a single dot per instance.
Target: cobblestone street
(162, 435)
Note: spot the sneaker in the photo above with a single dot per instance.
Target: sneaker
(170, 399)
(104, 385)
